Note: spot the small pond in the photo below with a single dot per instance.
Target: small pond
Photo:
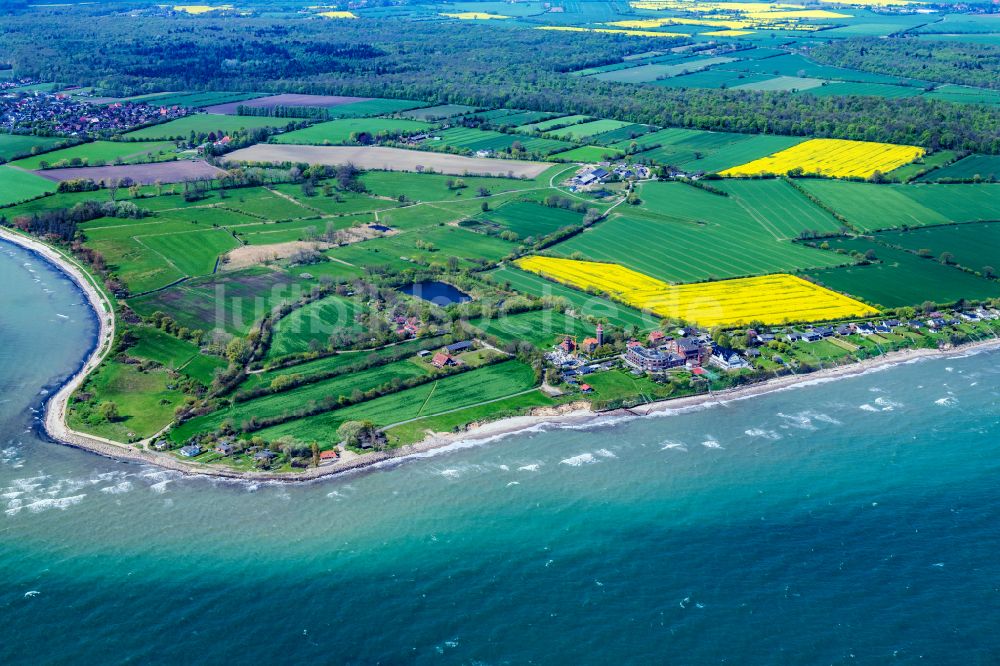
(438, 293)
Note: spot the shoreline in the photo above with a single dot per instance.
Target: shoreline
(54, 425)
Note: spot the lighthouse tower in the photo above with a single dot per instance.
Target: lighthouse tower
(600, 334)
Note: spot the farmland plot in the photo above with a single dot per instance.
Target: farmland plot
(340, 131)
(682, 234)
(313, 324)
(902, 278)
(772, 299)
(580, 301)
(831, 157)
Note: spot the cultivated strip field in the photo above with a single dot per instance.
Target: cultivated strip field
(288, 99)
(771, 299)
(838, 158)
(146, 174)
(387, 159)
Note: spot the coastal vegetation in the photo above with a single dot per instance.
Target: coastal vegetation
(338, 236)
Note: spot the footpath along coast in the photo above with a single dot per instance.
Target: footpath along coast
(577, 414)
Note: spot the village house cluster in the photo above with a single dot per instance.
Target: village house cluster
(693, 350)
(60, 114)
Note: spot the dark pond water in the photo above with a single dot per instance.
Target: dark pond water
(438, 293)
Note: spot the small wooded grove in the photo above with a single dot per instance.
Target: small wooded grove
(443, 62)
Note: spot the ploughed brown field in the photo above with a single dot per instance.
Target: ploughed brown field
(144, 174)
(387, 159)
(287, 99)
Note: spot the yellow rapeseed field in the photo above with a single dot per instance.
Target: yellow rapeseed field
(338, 15)
(473, 16)
(771, 299)
(838, 158)
(200, 9)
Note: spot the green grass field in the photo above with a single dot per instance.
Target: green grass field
(973, 246)
(102, 152)
(530, 219)
(653, 72)
(582, 302)
(542, 328)
(145, 403)
(434, 187)
(779, 207)
(155, 345)
(346, 359)
(782, 83)
(415, 431)
(205, 122)
(681, 233)
(588, 154)
(986, 167)
(964, 94)
(277, 404)
(870, 207)
(432, 113)
(713, 78)
(374, 107)
(13, 146)
(464, 390)
(584, 131)
(477, 139)
(175, 354)
(909, 172)
(194, 253)
(697, 150)
(903, 278)
(339, 131)
(874, 207)
(313, 323)
(548, 125)
(862, 89)
(152, 253)
(17, 186)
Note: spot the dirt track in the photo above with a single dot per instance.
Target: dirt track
(387, 159)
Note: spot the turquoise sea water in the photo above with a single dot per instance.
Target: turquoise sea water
(855, 521)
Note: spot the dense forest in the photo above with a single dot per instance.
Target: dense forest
(445, 62)
(943, 62)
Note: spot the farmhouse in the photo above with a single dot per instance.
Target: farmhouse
(443, 360)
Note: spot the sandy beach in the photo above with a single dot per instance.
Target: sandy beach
(577, 413)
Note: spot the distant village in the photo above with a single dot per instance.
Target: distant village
(59, 113)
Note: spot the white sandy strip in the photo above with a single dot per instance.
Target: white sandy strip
(575, 414)
(387, 159)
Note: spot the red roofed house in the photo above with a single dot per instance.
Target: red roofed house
(442, 360)
(586, 388)
(656, 337)
(568, 345)
(328, 455)
(589, 344)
